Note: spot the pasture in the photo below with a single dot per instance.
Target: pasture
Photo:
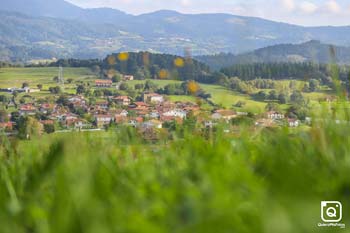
(15, 77)
(221, 96)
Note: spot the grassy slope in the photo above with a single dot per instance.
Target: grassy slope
(220, 95)
(14, 77)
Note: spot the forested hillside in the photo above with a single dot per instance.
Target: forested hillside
(276, 71)
(312, 51)
(144, 65)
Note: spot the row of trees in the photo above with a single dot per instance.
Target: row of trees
(277, 71)
(252, 86)
(282, 98)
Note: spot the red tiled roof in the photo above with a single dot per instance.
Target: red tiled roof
(6, 124)
(103, 81)
(47, 106)
(27, 107)
(123, 97)
(141, 104)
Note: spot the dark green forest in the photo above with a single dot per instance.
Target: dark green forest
(278, 71)
(312, 51)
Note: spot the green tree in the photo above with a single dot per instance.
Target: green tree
(81, 89)
(29, 127)
(55, 90)
(116, 78)
(272, 107)
(49, 128)
(297, 97)
(282, 98)
(25, 84)
(4, 99)
(139, 86)
(272, 95)
(314, 85)
(124, 86)
(4, 116)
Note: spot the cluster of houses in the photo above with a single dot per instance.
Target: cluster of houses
(274, 118)
(152, 112)
(107, 83)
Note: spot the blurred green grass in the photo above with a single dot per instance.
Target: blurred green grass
(269, 181)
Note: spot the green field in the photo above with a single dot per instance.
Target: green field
(182, 98)
(227, 98)
(160, 83)
(14, 77)
(220, 96)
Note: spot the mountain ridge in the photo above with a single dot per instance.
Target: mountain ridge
(311, 51)
(71, 31)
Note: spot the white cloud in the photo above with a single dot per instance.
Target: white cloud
(185, 2)
(333, 6)
(239, 10)
(308, 7)
(288, 5)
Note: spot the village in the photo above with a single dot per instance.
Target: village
(74, 112)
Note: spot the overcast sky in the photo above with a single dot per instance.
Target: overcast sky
(302, 12)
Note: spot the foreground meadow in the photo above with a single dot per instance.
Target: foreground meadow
(269, 181)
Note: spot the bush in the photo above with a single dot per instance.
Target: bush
(48, 128)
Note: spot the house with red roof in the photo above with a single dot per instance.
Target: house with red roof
(153, 98)
(122, 100)
(7, 126)
(106, 83)
(27, 109)
(103, 120)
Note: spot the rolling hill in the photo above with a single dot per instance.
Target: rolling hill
(311, 51)
(42, 29)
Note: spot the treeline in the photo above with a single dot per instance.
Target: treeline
(218, 61)
(158, 66)
(144, 65)
(278, 71)
(76, 63)
(7, 64)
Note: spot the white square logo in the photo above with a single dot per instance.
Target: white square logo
(331, 211)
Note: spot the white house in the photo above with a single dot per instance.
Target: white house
(122, 113)
(102, 120)
(154, 115)
(153, 98)
(176, 113)
(293, 122)
(274, 115)
(153, 124)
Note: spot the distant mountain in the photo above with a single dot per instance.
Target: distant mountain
(43, 29)
(51, 8)
(312, 51)
(24, 37)
(63, 10)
